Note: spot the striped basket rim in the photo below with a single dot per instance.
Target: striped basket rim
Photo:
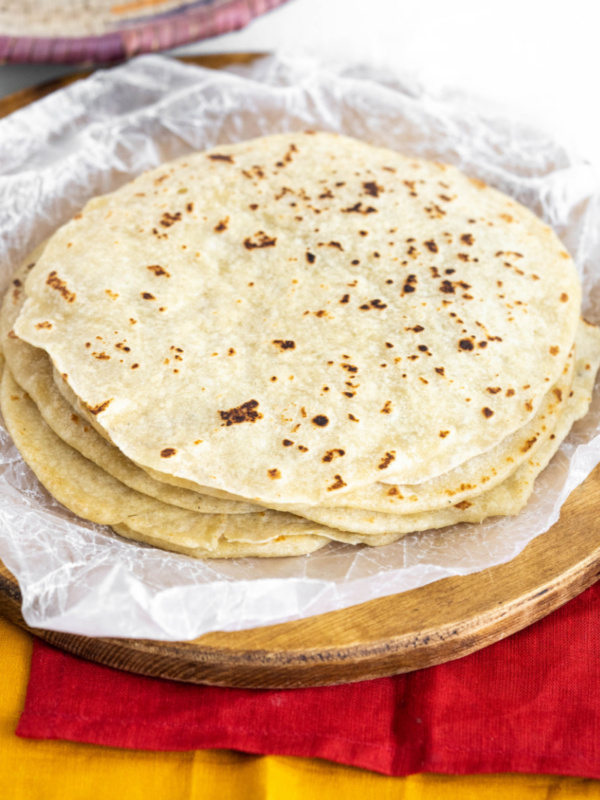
(148, 36)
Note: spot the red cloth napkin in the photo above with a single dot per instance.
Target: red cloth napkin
(529, 703)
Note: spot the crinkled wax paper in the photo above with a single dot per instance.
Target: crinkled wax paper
(97, 134)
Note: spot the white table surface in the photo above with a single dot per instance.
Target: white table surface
(538, 58)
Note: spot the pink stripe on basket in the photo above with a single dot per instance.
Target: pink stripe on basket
(148, 40)
(41, 50)
(6, 43)
(22, 48)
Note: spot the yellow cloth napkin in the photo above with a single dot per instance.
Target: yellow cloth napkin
(52, 769)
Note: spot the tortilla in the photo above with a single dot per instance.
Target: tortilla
(87, 490)
(300, 296)
(32, 370)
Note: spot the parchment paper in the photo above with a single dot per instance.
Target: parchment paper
(97, 134)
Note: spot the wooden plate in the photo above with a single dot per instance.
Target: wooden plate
(440, 622)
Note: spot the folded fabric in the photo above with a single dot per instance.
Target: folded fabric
(526, 704)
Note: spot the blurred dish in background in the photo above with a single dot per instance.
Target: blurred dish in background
(101, 31)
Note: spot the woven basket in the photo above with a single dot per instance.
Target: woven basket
(103, 31)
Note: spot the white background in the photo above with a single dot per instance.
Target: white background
(539, 58)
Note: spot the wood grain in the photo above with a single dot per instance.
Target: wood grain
(437, 623)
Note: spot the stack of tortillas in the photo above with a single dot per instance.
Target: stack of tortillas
(302, 338)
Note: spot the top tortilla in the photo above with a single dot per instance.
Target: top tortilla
(281, 319)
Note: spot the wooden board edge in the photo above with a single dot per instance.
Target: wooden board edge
(23, 97)
(261, 669)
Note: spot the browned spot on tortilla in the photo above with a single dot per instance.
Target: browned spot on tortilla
(221, 157)
(41, 325)
(169, 219)
(463, 505)
(222, 225)
(510, 392)
(371, 188)
(98, 409)
(159, 271)
(331, 454)
(558, 394)
(358, 208)
(493, 389)
(168, 452)
(394, 491)
(443, 434)
(338, 483)
(487, 412)
(285, 344)
(387, 460)
(259, 240)
(377, 304)
(554, 351)
(564, 297)
(387, 407)
(274, 474)
(478, 183)
(529, 444)
(246, 412)
(147, 296)
(57, 283)
(320, 420)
